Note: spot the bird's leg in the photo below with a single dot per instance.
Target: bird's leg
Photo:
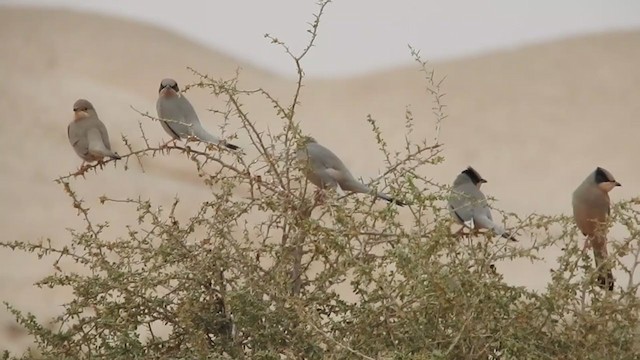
(587, 244)
(319, 196)
(493, 269)
(83, 167)
(459, 233)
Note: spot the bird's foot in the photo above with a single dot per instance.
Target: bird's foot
(606, 282)
(493, 269)
(459, 233)
(319, 197)
(99, 164)
(83, 168)
(463, 233)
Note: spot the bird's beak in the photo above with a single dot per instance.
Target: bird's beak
(618, 184)
(163, 88)
(167, 91)
(483, 181)
(79, 114)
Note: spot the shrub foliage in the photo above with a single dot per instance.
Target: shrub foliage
(287, 272)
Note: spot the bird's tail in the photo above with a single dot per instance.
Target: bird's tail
(600, 253)
(231, 146)
(498, 230)
(507, 235)
(97, 146)
(390, 199)
(357, 186)
(207, 137)
(109, 153)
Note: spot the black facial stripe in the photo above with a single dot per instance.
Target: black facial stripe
(174, 86)
(473, 175)
(601, 176)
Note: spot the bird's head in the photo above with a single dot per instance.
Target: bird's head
(604, 180)
(82, 109)
(168, 88)
(474, 176)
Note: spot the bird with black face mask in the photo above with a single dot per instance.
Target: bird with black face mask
(468, 205)
(591, 209)
(179, 119)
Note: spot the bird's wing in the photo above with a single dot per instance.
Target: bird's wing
(185, 108)
(191, 118)
(322, 158)
(315, 170)
(483, 220)
(335, 168)
(463, 200)
(73, 140)
(96, 145)
(203, 135)
(168, 109)
(104, 135)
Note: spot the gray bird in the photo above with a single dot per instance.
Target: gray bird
(468, 205)
(591, 208)
(183, 121)
(88, 135)
(326, 171)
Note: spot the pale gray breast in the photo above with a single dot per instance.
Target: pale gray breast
(78, 137)
(590, 206)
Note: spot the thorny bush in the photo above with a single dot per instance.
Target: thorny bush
(281, 274)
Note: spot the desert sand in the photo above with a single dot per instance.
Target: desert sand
(534, 121)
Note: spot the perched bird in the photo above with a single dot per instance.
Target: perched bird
(182, 120)
(88, 135)
(591, 208)
(468, 205)
(325, 170)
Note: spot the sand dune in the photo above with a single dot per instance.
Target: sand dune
(534, 121)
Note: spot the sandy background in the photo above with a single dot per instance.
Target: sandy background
(533, 121)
